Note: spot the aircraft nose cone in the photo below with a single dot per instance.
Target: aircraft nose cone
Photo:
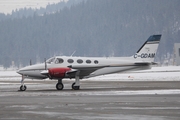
(19, 71)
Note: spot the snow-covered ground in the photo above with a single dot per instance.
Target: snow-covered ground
(170, 73)
(9, 76)
(10, 79)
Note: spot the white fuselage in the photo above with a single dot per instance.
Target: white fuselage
(115, 64)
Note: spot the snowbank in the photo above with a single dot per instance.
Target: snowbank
(169, 73)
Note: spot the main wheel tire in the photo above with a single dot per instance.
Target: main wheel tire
(75, 87)
(23, 87)
(59, 86)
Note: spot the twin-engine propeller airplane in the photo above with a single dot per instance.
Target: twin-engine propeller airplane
(60, 67)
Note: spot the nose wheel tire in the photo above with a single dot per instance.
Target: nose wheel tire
(59, 86)
(23, 87)
(75, 87)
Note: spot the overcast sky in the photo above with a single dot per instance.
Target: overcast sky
(6, 6)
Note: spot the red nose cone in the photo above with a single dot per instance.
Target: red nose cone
(58, 72)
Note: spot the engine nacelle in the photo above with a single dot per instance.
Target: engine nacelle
(58, 72)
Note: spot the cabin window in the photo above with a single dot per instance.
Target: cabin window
(96, 62)
(70, 60)
(79, 61)
(88, 61)
(59, 61)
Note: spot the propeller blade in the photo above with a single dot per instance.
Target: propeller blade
(45, 72)
(45, 63)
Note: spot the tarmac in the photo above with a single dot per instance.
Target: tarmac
(96, 100)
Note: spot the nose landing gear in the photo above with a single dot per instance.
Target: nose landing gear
(23, 87)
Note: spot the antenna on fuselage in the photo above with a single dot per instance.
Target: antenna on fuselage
(30, 62)
(73, 53)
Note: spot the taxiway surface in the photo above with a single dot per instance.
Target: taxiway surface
(97, 100)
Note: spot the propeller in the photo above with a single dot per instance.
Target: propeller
(45, 72)
(45, 63)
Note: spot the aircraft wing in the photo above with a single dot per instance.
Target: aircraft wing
(85, 70)
(87, 67)
(133, 64)
(84, 67)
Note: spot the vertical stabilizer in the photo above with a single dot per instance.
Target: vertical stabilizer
(148, 50)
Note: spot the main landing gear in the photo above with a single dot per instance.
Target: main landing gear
(23, 87)
(59, 85)
(75, 85)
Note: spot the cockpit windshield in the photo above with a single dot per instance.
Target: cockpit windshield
(50, 60)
